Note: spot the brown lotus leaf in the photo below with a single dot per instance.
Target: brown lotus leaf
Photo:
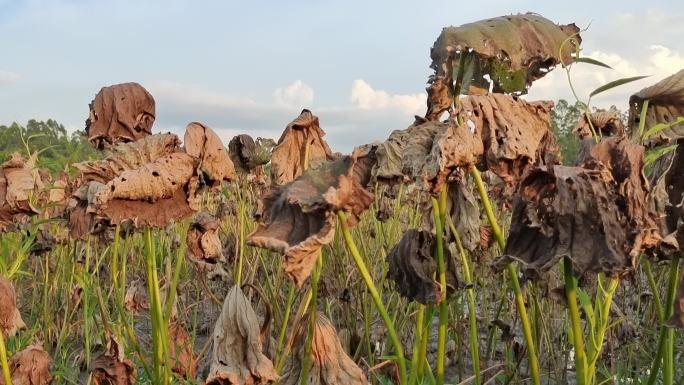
(111, 367)
(82, 210)
(152, 195)
(10, 318)
(204, 245)
(237, 357)
(607, 123)
(412, 267)
(668, 197)
(58, 196)
(135, 299)
(464, 209)
(418, 148)
(440, 98)
(248, 154)
(389, 154)
(18, 182)
(120, 113)
(515, 133)
(677, 319)
(30, 366)
(302, 137)
(181, 351)
(330, 364)
(128, 156)
(573, 212)
(513, 50)
(202, 143)
(665, 105)
(299, 218)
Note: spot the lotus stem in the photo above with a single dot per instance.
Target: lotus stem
(306, 367)
(470, 291)
(365, 274)
(575, 323)
(241, 224)
(286, 319)
(159, 334)
(416, 359)
(668, 353)
(443, 304)
(594, 349)
(6, 375)
(513, 273)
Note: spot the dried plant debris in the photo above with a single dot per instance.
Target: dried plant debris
(665, 105)
(215, 165)
(302, 139)
(596, 214)
(136, 299)
(330, 364)
(668, 197)
(412, 267)
(181, 351)
(10, 318)
(248, 154)
(299, 218)
(120, 113)
(509, 51)
(30, 366)
(111, 367)
(18, 182)
(604, 123)
(677, 319)
(237, 357)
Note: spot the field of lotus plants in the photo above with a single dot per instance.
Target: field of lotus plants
(460, 250)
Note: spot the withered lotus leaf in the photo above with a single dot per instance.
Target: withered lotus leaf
(665, 105)
(128, 156)
(10, 318)
(287, 159)
(135, 299)
(237, 357)
(677, 318)
(465, 210)
(248, 154)
(111, 367)
(513, 50)
(608, 123)
(181, 351)
(30, 366)
(120, 113)
(204, 245)
(440, 98)
(202, 143)
(412, 267)
(668, 196)
(330, 364)
(299, 218)
(17, 183)
(389, 166)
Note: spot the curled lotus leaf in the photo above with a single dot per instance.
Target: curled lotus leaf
(18, 182)
(237, 357)
(30, 366)
(668, 197)
(298, 218)
(665, 105)
(513, 50)
(330, 364)
(464, 209)
(389, 166)
(412, 267)
(215, 164)
(608, 123)
(440, 97)
(120, 113)
(302, 139)
(677, 318)
(204, 245)
(111, 367)
(136, 299)
(152, 195)
(181, 351)
(248, 154)
(10, 318)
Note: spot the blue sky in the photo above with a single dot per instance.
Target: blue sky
(250, 66)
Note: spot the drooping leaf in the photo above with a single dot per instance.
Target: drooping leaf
(215, 165)
(615, 83)
(588, 60)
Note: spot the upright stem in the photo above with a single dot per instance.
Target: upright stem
(577, 334)
(6, 375)
(513, 273)
(365, 274)
(443, 305)
(286, 319)
(416, 359)
(668, 356)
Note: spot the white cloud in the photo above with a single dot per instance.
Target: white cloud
(297, 94)
(366, 97)
(7, 77)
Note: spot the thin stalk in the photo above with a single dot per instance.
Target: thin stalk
(6, 375)
(443, 304)
(668, 352)
(286, 318)
(241, 224)
(306, 367)
(577, 334)
(363, 270)
(416, 359)
(513, 273)
(594, 350)
(161, 355)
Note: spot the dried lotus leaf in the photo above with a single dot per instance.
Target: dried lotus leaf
(665, 105)
(111, 367)
(120, 113)
(237, 357)
(608, 123)
(677, 319)
(288, 157)
(202, 143)
(10, 318)
(299, 218)
(30, 366)
(330, 364)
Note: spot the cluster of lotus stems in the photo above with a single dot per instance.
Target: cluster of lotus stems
(599, 216)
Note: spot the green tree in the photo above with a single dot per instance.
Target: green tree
(55, 146)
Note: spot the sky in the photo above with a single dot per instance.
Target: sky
(251, 66)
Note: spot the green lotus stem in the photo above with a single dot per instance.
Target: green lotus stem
(594, 349)
(159, 335)
(425, 327)
(286, 319)
(654, 288)
(416, 359)
(470, 291)
(575, 323)
(6, 375)
(306, 367)
(443, 306)
(380, 306)
(241, 224)
(668, 353)
(513, 273)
